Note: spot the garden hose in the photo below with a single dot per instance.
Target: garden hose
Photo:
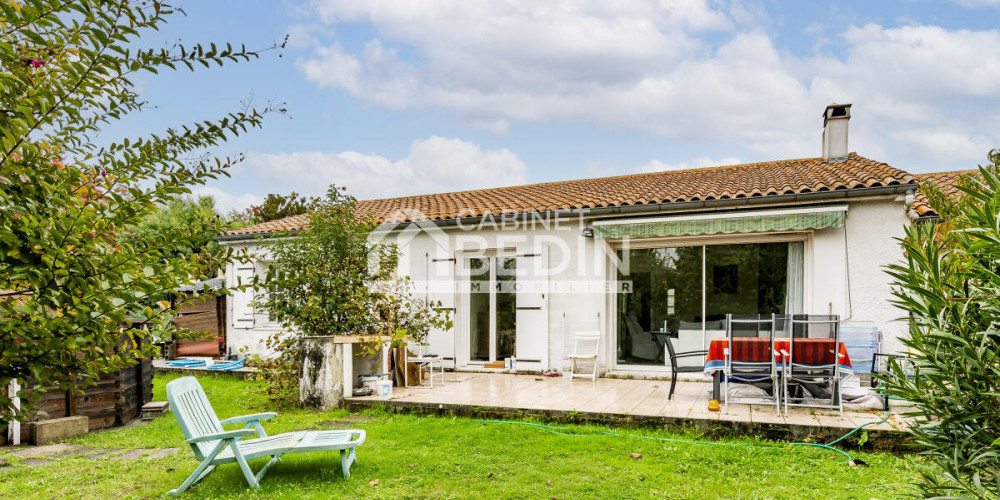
(561, 431)
(829, 446)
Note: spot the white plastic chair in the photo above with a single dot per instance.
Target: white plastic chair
(423, 359)
(585, 348)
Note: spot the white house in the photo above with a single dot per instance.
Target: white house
(641, 258)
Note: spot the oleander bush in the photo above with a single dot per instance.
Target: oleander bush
(950, 286)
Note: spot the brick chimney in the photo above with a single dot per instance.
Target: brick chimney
(835, 120)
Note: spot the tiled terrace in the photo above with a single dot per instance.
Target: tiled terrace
(625, 401)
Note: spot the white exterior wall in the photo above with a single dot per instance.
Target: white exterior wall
(576, 275)
(872, 231)
(242, 337)
(835, 266)
(581, 277)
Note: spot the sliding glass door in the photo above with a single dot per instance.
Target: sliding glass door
(660, 293)
(682, 294)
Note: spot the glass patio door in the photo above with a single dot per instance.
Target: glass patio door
(683, 294)
(492, 307)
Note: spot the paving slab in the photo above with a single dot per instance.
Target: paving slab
(37, 451)
(73, 452)
(33, 462)
(133, 454)
(158, 454)
(101, 454)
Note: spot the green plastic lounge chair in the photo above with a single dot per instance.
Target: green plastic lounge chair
(214, 445)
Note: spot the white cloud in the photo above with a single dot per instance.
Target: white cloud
(700, 162)
(978, 3)
(433, 165)
(694, 70)
(302, 36)
(379, 75)
(490, 58)
(922, 92)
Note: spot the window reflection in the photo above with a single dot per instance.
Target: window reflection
(682, 294)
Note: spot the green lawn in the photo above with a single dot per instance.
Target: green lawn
(428, 457)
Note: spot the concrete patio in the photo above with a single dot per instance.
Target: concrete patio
(619, 401)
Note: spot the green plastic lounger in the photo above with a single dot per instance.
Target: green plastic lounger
(214, 445)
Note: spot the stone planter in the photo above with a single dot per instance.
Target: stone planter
(330, 368)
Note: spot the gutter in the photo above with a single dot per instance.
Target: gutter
(843, 194)
(753, 202)
(703, 204)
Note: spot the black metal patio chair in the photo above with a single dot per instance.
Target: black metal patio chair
(674, 356)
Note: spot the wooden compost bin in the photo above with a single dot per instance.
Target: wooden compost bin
(116, 399)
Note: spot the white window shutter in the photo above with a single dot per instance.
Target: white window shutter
(243, 313)
(532, 312)
(441, 293)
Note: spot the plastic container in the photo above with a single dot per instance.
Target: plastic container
(383, 388)
(370, 381)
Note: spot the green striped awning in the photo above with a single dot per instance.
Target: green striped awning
(749, 223)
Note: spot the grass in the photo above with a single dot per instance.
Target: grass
(431, 457)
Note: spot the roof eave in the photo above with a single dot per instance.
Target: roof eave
(647, 207)
(761, 200)
(694, 205)
(235, 238)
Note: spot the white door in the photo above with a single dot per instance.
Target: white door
(532, 323)
(441, 294)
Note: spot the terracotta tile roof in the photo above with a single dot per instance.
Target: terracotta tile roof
(751, 180)
(945, 181)
(292, 223)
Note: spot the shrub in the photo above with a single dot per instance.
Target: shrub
(332, 279)
(68, 276)
(950, 287)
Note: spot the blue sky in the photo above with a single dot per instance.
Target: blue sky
(399, 97)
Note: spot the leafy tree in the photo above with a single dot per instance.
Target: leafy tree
(197, 222)
(278, 206)
(333, 279)
(195, 217)
(950, 286)
(67, 277)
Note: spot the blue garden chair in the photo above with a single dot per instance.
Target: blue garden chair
(215, 446)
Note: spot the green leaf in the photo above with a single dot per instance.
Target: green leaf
(71, 233)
